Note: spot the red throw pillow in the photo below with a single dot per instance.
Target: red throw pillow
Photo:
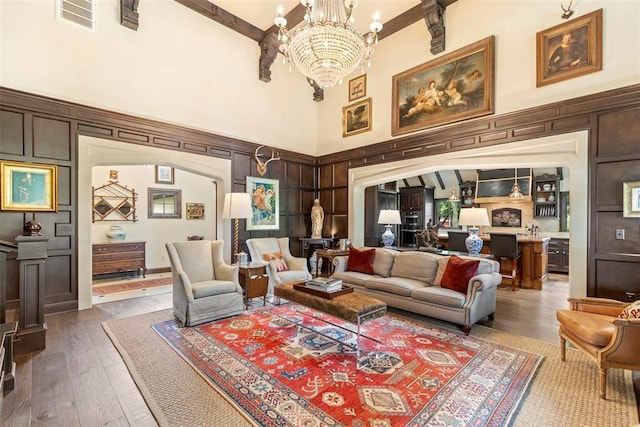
(458, 272)
(277, 260)
(361, 260)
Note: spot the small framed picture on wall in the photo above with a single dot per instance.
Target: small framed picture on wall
(358, 87)
(164, 175)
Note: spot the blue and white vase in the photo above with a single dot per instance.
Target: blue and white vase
(473, 242)
(313, 261)
(387, 237)
(116, 233)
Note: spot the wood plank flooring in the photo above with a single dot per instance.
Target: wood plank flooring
(81, 380)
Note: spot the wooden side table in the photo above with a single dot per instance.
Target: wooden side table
(254, 281)
(329, 254)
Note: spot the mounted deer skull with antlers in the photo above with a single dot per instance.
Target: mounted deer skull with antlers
(262, 166)
(566, 13)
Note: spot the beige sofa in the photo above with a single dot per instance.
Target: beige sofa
(410, 281)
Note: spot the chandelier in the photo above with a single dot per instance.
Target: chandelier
(326, 48)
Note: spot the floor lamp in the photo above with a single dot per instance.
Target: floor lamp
(236, 206)
(473, 217)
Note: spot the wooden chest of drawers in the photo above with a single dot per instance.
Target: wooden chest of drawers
(119, 257)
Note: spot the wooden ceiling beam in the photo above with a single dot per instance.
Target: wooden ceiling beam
(225, 18)
(439, 178)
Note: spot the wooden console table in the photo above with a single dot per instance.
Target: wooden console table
(118, 257)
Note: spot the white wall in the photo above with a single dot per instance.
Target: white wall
(178, 67)
(183, 68)
(514, 24)
(95, 152)
(195, 189)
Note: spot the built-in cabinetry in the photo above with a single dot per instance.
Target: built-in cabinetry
(119, 257)
(383, 196)
(467, 193)
(416, 208)
(559, 255)
(546, 195)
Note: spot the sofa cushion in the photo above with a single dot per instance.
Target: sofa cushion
(415, 265)
(277, 260)
(632, 311)
(361, 260)
(210, 288)
(289, 275)
(394, 285)
(439, 296)
(458, 273)
(595, 329)
(352, 277)
(383, 261)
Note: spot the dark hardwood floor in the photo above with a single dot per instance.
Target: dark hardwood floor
(81, 380)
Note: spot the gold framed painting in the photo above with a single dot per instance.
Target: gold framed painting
(28, 187)
(454, 87)
(356, 118)
(631, 199)
(195, 210)
(569, 50)
(358, 87)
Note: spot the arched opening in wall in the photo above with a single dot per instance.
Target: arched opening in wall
(568, 150)
(130, 203)
(200, 180)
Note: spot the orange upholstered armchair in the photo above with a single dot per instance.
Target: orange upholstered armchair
(592, 325)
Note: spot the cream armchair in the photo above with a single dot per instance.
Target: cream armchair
(205, 288)
(296, 268)
(593, 327)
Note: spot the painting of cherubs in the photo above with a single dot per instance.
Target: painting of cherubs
(444, 91)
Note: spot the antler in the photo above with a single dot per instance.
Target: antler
(262, 166)
(567, 12)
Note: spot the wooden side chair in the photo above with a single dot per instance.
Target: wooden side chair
(505, 246)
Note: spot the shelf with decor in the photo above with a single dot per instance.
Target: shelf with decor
(546, 194)
(468, 193)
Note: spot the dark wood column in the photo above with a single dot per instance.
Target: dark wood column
(32, 253)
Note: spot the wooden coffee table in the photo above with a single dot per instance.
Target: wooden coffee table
(354, 308)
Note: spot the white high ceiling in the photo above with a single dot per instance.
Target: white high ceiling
(261, 12)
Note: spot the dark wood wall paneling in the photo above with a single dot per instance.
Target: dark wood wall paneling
(613, 121)
(615, 159)
(611, 117)
(297, 182)
(40, 138)
(44, 130)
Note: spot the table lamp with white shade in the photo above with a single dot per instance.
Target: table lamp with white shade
(473, 217)
(389, 217)
(236, 206)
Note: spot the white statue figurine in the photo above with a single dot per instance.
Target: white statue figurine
(317, 218)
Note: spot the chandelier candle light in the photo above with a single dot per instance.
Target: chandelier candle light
(236, 205)
(473, 217)
(326, 48)
(388, 217)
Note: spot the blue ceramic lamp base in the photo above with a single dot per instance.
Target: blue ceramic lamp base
(473, 242)
(387, 237)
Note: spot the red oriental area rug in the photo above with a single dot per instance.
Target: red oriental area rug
(287, 366)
